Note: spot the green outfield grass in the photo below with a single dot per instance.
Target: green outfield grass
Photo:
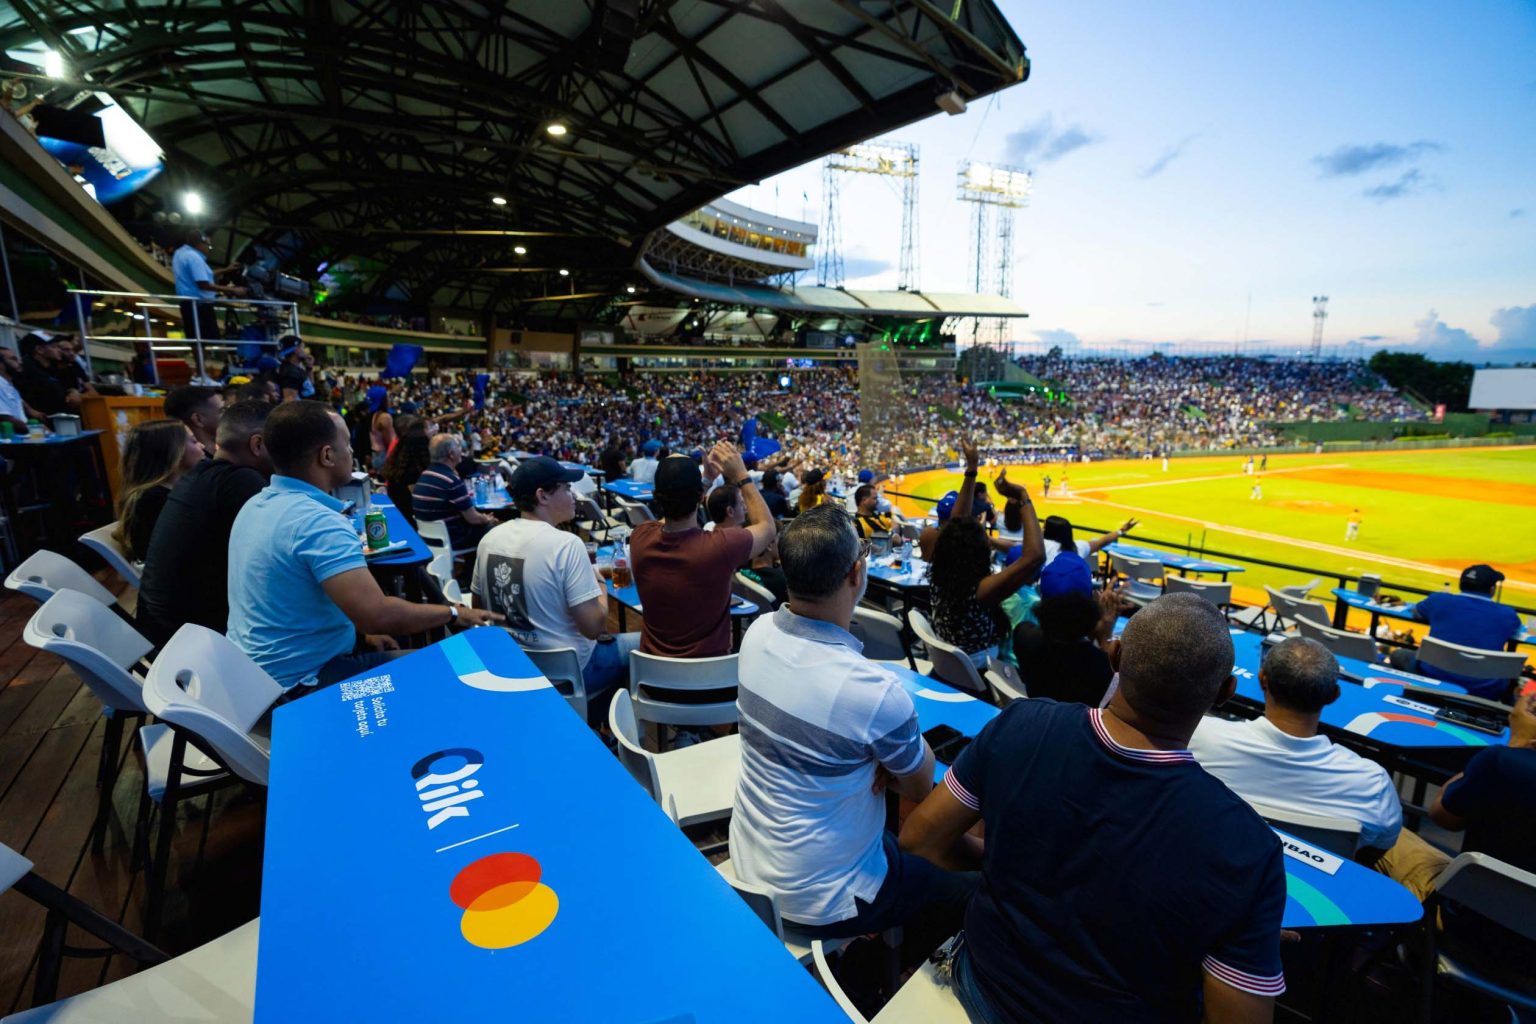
(1424, 515)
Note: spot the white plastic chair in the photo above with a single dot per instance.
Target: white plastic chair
(692, 784)
(950, 664)
(1288, 606)
(203, 687)
(1489, 888)
(766, 906)
(1139, 574)
(881, 635)
(1302, 590)
(64, 914)
(441, 568)
(1341, 642)
(45, 572)
(1471, 662)
(102, 649)
(1005, 685)
(214, 982)
(560, 667)
(634, 512)
(435, 534)
(1339, 836)
(593, 521)
(649, 673)
(923, 998)
(1218, 594)
(751, 590)
(101, 541)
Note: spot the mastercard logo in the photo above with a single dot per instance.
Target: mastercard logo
(504, 902)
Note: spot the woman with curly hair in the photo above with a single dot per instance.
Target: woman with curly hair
(410, 458)
(967, 597)
(157, 453)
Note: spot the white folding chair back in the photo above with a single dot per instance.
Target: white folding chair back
(911, 531)
(1504, 894)
(47, 571)
(101, 541)
(206, 685)
(1004, 681)
(1139, 574)
(560, 667)
(766, 906)
(1301, 590)
(950, 663)
(880, 632)
(1471, 662)
(1218, 594)
(751, 590)
(1341, 642)
(923, 997)
(214, 982)
(1336, 835)
(639, 762)
(635, 513)
(436, 535)
(649, 673)
(97, 643)
(594, 520)
(1296, 608)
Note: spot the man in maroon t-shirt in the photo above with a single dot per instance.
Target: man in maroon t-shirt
(683, 573)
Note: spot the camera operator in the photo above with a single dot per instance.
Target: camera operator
(196, 280)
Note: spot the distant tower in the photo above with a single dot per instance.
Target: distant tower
(897, 161)
(1319, 314)
(994, 191)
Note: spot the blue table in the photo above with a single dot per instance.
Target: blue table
(43, 454)
(445, 841)
(1376, 673)
(912, 574)
(497, 499)
(1314, 898)
(1366, 714)
(416, 551)
(1346, 599)
(1326, 891)
(568, 465)
(1172, 560)
(630, 490)
(37, 440)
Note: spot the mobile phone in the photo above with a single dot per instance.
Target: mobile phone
(946, 742)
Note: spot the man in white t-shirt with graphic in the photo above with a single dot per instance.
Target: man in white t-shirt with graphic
(1281, 761)
(541, 579)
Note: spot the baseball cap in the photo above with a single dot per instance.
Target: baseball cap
(1012, 555)
(678, 474)
(1067, 573)
(540, 472)
(1480, 577)
(866, 476)
(651, 447)
(945, 506)
(814, 476)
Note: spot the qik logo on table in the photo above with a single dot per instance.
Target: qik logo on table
(444, 786)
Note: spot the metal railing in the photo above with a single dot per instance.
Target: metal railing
(1188, 547)
(279, 317)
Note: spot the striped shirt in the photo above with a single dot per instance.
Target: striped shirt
(441, 494)
(816, 719)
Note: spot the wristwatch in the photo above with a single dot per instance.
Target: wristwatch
(453, 614)
(740, 483)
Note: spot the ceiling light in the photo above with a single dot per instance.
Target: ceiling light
(564, 272)
(630, 289)
(499, 200)
(555, 128)
(192, 203)
(53, 64)
(520, 250)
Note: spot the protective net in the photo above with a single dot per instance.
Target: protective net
(903, 423)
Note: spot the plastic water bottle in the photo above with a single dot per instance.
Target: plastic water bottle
(906, 554)
(481, 490)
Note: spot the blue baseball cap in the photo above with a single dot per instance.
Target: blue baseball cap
(866, 476)
(945, 506)
(651, 447)
(1065, 574)
(1012, 555)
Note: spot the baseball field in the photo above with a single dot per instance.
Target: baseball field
(1423, 515)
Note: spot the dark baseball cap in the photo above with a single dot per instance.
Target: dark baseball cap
(1067, 573)
(540, 473)
(1481, 578)
(678, 474)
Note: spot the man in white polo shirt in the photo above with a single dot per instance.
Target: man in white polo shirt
(1281, 761)
(823, 732)
(541, 579)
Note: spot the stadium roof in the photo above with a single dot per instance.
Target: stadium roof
(380, 131)
(840, 301)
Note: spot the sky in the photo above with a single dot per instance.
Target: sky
(1202, 171)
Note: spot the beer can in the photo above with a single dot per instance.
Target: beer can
(376, 528)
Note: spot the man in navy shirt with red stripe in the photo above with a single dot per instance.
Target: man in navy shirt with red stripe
(1120, 881)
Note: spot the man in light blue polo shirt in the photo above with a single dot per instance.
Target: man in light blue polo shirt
(195, 280)
(823, 732)
(302, 602)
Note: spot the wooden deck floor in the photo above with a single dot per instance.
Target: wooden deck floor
(51, 731)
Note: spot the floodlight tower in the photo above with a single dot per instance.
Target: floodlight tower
(1319, 314)
(1001, 189)
(895, 160)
